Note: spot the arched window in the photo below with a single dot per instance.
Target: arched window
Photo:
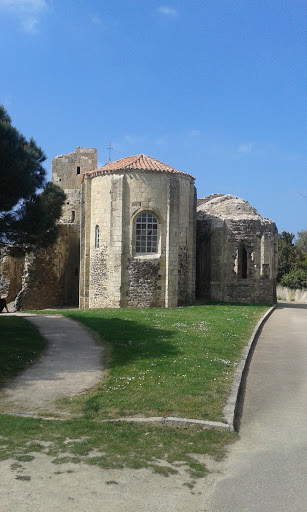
(96, 237)
(146, 233)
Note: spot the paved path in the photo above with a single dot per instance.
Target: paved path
(71, 364)
(266, 470)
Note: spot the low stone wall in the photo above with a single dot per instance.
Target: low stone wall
(291, 295)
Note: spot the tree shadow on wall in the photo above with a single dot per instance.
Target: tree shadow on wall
(127, 340)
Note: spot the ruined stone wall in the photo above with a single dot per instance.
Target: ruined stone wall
(218, 277)
(227, 227)
(203, 260)
(260, 242)
(11, 271)
(118, 276)
(67, 172)
(50, 277)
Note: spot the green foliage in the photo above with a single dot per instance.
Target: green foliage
(35, 223)
(290, 257)
(21, 167)
(20, 345)
(26, 217)
(292, 260)
(295, 279)
(301, 241)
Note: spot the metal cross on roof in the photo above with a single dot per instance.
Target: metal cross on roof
(110, 149)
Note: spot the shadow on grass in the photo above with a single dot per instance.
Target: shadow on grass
(128, 340)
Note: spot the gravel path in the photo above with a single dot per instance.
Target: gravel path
(71, 364)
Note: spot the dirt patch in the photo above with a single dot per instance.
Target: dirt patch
(39, 484)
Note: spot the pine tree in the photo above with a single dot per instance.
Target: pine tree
(28, 216)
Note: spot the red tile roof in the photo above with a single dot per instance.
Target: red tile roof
(138, 162)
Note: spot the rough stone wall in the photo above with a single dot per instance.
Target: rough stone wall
(145, 192)
(203, 260)
(67, 172)
(11, 270)
(226, 227)
(187, 244)
(117, 275)
(50, 277)
(100, 271)
(144, 288)
(85, 247)
(99, 277)
(114, 275)
(183, 276)
(260, 284)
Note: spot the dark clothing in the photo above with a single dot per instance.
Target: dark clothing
(2, 304)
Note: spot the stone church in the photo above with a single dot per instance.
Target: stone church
(134, 234)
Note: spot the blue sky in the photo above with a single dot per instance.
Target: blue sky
(215, 88)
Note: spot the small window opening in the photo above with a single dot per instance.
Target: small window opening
(146, 233)
(78, 169)
(73, 216)
(97, 237)
(243, 263)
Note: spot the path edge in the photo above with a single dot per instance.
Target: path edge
(231, 408)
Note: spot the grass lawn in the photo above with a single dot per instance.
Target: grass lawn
(20, 345)
(176, 362)
(167, 362)
(112, 445)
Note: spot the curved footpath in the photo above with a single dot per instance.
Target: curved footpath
(266, 469)
(71, 364)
